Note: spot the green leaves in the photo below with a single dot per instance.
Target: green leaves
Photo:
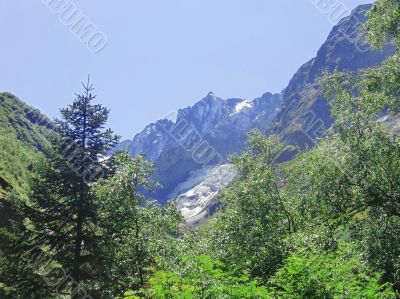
(382, 23)
(320, 274)
(203, 277)
(249, 230)
(137, 234)
(364, 193)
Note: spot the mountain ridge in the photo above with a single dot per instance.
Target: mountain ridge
(212, 126)
(345, 49)
(295, 119)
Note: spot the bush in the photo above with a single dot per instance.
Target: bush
(318, 274)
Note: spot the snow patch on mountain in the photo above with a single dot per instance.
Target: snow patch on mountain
(243, 105)
(196, 202)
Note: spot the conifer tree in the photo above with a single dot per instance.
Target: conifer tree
(61, 210)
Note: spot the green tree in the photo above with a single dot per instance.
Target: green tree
(366, 155)
(60, 212)
(254, 219)
(137, 234)
(19, 266)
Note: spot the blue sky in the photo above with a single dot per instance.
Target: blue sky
(160, 55)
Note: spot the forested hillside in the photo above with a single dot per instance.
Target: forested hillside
(24, 132)
(324, 224)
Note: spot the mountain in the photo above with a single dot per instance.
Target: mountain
(304, 113)
(218, 127)
(200, 137)
(24, 132)
(212, 118)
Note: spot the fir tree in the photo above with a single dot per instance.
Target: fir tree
(61, 210)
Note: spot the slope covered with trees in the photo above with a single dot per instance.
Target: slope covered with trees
(24, 132)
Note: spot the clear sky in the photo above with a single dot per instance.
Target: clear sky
(161, 55)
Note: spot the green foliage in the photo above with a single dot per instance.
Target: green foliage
(26, 123)
(58, 218)
(16, 159)
(202, 277)
(136, 232)
(24, 131)
(312, 273)
(250, 228)
(366, 156)
(382, 23)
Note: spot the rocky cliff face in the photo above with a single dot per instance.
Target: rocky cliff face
(211, 117)
(199, 138)
(304, 111)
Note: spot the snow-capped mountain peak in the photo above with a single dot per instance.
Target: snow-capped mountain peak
(219, 124)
